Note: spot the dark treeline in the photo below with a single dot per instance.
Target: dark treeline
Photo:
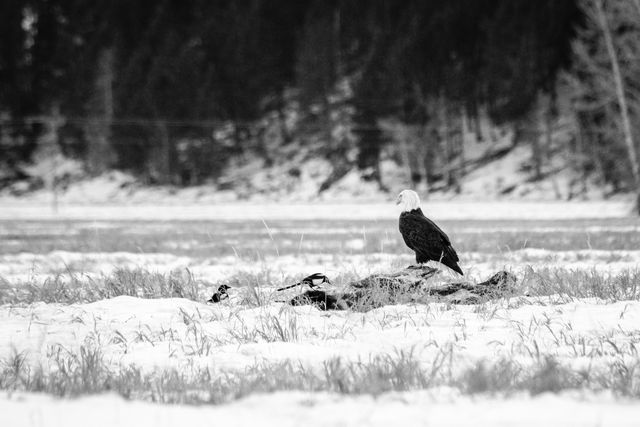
(173, 89)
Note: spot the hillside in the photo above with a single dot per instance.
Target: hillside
(497, 170)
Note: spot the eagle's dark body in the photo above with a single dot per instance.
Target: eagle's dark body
(427, 240)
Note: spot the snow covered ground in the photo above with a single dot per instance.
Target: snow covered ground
(320, 409)
(543, 359)
(155, 334)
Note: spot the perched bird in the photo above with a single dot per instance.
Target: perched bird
(313, 281)
(422, 235)
(220, 294)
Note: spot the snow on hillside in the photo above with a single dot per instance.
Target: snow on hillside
(496, 171)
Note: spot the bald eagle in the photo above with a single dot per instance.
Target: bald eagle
(422, 235)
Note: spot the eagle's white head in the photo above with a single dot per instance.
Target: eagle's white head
(409, 200)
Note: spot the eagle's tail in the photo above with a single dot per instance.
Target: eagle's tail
(450, 259)
(455, 267)
(452, 263)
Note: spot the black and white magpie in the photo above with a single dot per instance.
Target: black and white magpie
(220, 294)
(313, 281)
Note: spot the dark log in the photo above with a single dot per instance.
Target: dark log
(411, 285)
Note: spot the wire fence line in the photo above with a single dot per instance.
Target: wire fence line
(214, 129)
(178, 122)
(217, 123)
(114, 121)
(225, 132)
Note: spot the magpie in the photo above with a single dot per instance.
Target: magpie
(313, 281)
(220, 294)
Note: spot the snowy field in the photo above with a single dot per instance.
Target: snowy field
(103, 316)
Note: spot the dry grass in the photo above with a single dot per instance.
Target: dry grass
(256, 289)
(620, 286)
(75, 287)
(87, 373)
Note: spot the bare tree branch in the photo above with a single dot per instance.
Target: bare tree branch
(622, 100)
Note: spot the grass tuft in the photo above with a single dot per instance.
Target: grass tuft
(85, 372)
(620, 286)
(74, 288)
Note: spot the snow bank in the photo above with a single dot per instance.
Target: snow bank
(507, 329)
(321, 409)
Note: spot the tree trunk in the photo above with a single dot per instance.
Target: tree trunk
(162, 157)
(406, 158)
(622, 100)
(636, 3)
(98, 130)
(479, 128)
(423, 140)
(530, 132)
(425, 156)
(578, 158)
(464, 128)
(285, 134)
(546, 134)
(52, 150)
(445, 138)
(328, 122)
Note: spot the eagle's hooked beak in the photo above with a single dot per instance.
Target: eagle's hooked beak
(398, 200)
